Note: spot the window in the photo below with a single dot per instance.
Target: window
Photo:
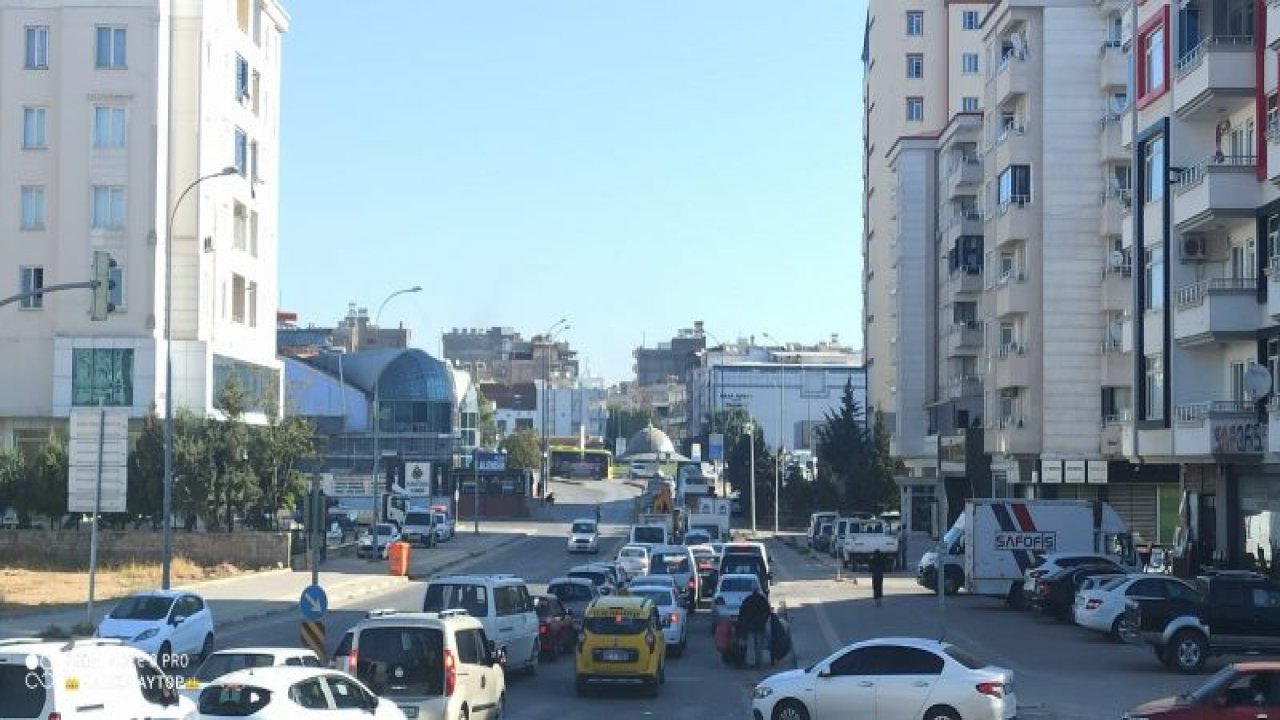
(108, 207)
(32, 207)
(899, 660)
(102, 373)
(256, 89)
(238, 286)
(37, 48)
(241, 152)
(110, 48)
(468, 646)
(1154, 387)
(1153, 278)
(915, 65)
(242, 79)
(242, 15)
(253, 162)
(915, 109)
(969, 104)
(309, 694)
(969, 63)
(915, 22)
(1015, 186)
(240, 226)
(108, 127)
(1235, 380)
(251, 300)
(347, 695)
(257, 24)
(1115, 29)
(1153, 58)
(33, 128)
(31, 279)
(1153, 175)
(969, 20)
(253, 233)
(855, 662)
(1244, 259)
(1273, 357)
(1010, 408)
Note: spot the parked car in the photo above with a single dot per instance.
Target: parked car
(1101, 607)
(225, 662)
(863, 538)
(444, 526)
(584, 536)
(556, 632)
(1053, 562)
(1056, 593)
(821, 540)
(730, 592)
(502, 605)
(889, 679)
(1239, 690)
(374, 542)
(171, 625)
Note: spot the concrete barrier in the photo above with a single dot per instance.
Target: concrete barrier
(70, 548)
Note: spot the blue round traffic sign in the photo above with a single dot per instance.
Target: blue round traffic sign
(313, 603)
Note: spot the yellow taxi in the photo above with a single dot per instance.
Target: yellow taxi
(621, 643)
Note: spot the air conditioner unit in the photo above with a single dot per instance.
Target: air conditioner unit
(1193, 247)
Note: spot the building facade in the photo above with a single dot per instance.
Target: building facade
(500, 354)
(111, 111)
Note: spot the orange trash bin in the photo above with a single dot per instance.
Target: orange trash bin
(398, 558)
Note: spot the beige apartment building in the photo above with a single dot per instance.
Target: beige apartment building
(109, 110)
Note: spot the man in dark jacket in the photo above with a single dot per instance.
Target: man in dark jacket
(877, 564)
(753, 620)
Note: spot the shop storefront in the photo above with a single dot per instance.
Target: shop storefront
(1147, 497)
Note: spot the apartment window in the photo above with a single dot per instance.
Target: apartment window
(33, 128)
(1153, 278)
(238, 286)
(1153, 58)
(1235, 379)
(31, 279)
(1010, 408)
(1121, 177)
(102, 375)
(915, 109)
(257, 24)
(1118, 101)
(242, 79)
(241, 152)
(915, 22)
(253, 233)
(253, 163)
(1244, 259)
(969, 20)
(108, 127)
(108, 207)
(1273, 357)
(969, 104)
(240, 226)
(110, 47)
(965, 313)
(32, 216)
(1008, 264)
(915, 65)
(255, 89)
(1154, 387)
(1116, 403)
(1153, 175)
(251, 303)
(1015, 186)
(1115, 29)
(969, 63)
(37, 47)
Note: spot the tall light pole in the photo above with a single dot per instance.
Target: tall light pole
(379, 514)
(166, 542)
(777, 464)
(751, 440)
(547, 340)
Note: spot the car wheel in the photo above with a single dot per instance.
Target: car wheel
(207, 648)
(1188, 651)
(1114, 632)
(941, 712)
(790, 710)
(950, 584)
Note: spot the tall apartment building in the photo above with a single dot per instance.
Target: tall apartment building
(109, 111)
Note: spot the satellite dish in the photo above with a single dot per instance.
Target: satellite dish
(1257, 381)
(1114, 333)
(1116, 258)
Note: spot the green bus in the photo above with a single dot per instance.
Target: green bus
(570, 462)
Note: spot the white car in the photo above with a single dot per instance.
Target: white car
(503, 606)
(225, 662)
(373, 543)
(731, 590)
(890, 679)
(676, 630)
(284, 693)
(444, 526)
(1102, 608)
(170, 625)
(634, 559)
(584, 536)
(1053, 562)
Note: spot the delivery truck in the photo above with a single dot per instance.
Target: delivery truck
(995, 541)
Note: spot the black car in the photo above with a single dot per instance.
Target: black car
(1056, 593)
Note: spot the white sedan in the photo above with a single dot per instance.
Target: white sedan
(1102, 608)
(225, 662)
(675, 619)
(634, 559)
(286, 693)
(890, 679)
(731, 590)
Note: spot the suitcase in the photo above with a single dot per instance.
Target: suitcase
(730, 644)
(779, 638)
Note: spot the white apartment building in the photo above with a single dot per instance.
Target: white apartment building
(109, 109)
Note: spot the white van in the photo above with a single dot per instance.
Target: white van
(501, 603)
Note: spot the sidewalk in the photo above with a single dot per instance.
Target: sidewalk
(244, 598)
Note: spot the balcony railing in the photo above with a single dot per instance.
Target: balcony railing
(1195, 293)
(1118, 418)
(1193, 175)
(1198, 413)
(959, 163)
(1018, 201)
(1012, 349)
(1273, 264)
(1192, 59)
(1111, 345)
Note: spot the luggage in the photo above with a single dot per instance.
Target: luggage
(779, 638)
(729, 643)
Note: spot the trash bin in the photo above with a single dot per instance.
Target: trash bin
(398, 558)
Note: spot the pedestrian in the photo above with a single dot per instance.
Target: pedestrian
(902, 545)
(877, 575)
(753, 620)
(597, 516)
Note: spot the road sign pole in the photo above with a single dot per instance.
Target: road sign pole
(97, 508)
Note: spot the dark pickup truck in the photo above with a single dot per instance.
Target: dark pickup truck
(1225, 612)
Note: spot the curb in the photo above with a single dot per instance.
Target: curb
(469, 556)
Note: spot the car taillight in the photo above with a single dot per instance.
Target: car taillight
(1092, 604)
(542, 629)
(1035, 574)
(674, 618)
(993, 689)
(450, 673)
(55, 716)
(692, 583)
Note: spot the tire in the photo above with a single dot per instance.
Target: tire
(652, 688)
(1187, 651)
(206, 649)
(790, 710)
(941, 712)
(1014, 598)
(1114, 632)
(950, 583)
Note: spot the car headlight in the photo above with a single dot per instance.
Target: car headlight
(761, 692)
(146, 635)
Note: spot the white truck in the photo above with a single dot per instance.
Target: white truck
(862, 538)
(995, 541)
(712, 515)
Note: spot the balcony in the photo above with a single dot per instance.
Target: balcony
(1215, 310)
(1013, 77)
(964, 281)
(1113, 434)
(1273, 24)
(1115, 68)
(1126, 333)
(1111, 139)
(1012, 219)
(1219, 428)
(964, 340)
(1011, 436)
(1126, 129)
(963, 176)
(1214, 78)
(1013, 295)
(958, 222)
(1117, 206)
(1117, 365)
(1011, 146)
(1117, 285)
(1215, 190)
(960, 387)
(1273, 428)
(1013, 367)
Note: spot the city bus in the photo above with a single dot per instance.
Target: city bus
(570, 462)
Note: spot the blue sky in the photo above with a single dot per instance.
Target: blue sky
(634, 166)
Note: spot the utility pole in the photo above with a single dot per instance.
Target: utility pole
(97, 508)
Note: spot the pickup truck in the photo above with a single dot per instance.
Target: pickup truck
(1226, 612)
(864, 537)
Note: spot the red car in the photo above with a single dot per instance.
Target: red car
(555, 626)
(1239, 691)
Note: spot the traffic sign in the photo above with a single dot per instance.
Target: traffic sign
(715, 446)
(312, 636)
(92, 427)
(313, 603)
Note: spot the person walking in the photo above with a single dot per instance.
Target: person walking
(597, 518)
(877, 575)
(753, 620)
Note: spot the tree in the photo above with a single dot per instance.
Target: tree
(797, 494)
(738, 471)
(146, 470)
(233, 487)
(488, 420)
(847, 448)
(883, 465)
(45, 488)
(12, 473)
(523, 449)
(274, 453)
(731, 423)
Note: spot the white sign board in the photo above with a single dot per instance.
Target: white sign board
(1073, 471)
(417, 479)
(695, 453)
(1050, 471)
(347, 486)
(91, 427)
(1097, 471)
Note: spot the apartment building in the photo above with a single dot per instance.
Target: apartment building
(108, 112)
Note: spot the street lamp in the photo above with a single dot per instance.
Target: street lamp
(750, 430)
(166, 543)
(559, 326)
(379, 513)
(777, 465)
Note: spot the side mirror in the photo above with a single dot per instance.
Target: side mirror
(178, 620)
(499, 657)
(371, 703)
(824, 672)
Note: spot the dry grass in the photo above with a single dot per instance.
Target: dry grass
(34, 587)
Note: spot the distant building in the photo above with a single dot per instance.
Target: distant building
(353, 333)
(501, 354)
(671, 360)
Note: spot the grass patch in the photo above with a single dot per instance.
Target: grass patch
(39, 584)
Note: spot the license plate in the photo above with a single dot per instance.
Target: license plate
(409, 712)
(615, 656)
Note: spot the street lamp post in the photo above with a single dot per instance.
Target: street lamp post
(379, 512)
(751, 440)
(166, 542)
(777, 465)
(548, 340)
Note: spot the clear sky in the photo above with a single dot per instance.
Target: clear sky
(631, 165)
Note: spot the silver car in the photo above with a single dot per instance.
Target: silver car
(634, 559)
(730, 593)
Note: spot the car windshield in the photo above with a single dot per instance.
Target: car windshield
(233, 700)
(1214, 685)
(570, 592)
(454, 596)
(649, 534)
(220, 664)
(401, 661)
(615, 625)
(633, 552)
(737, 584)
(660, 597)
(742, 565)
(669, 563)
(142, 607)
(597, 578)
(584, 527)
(415, 519)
